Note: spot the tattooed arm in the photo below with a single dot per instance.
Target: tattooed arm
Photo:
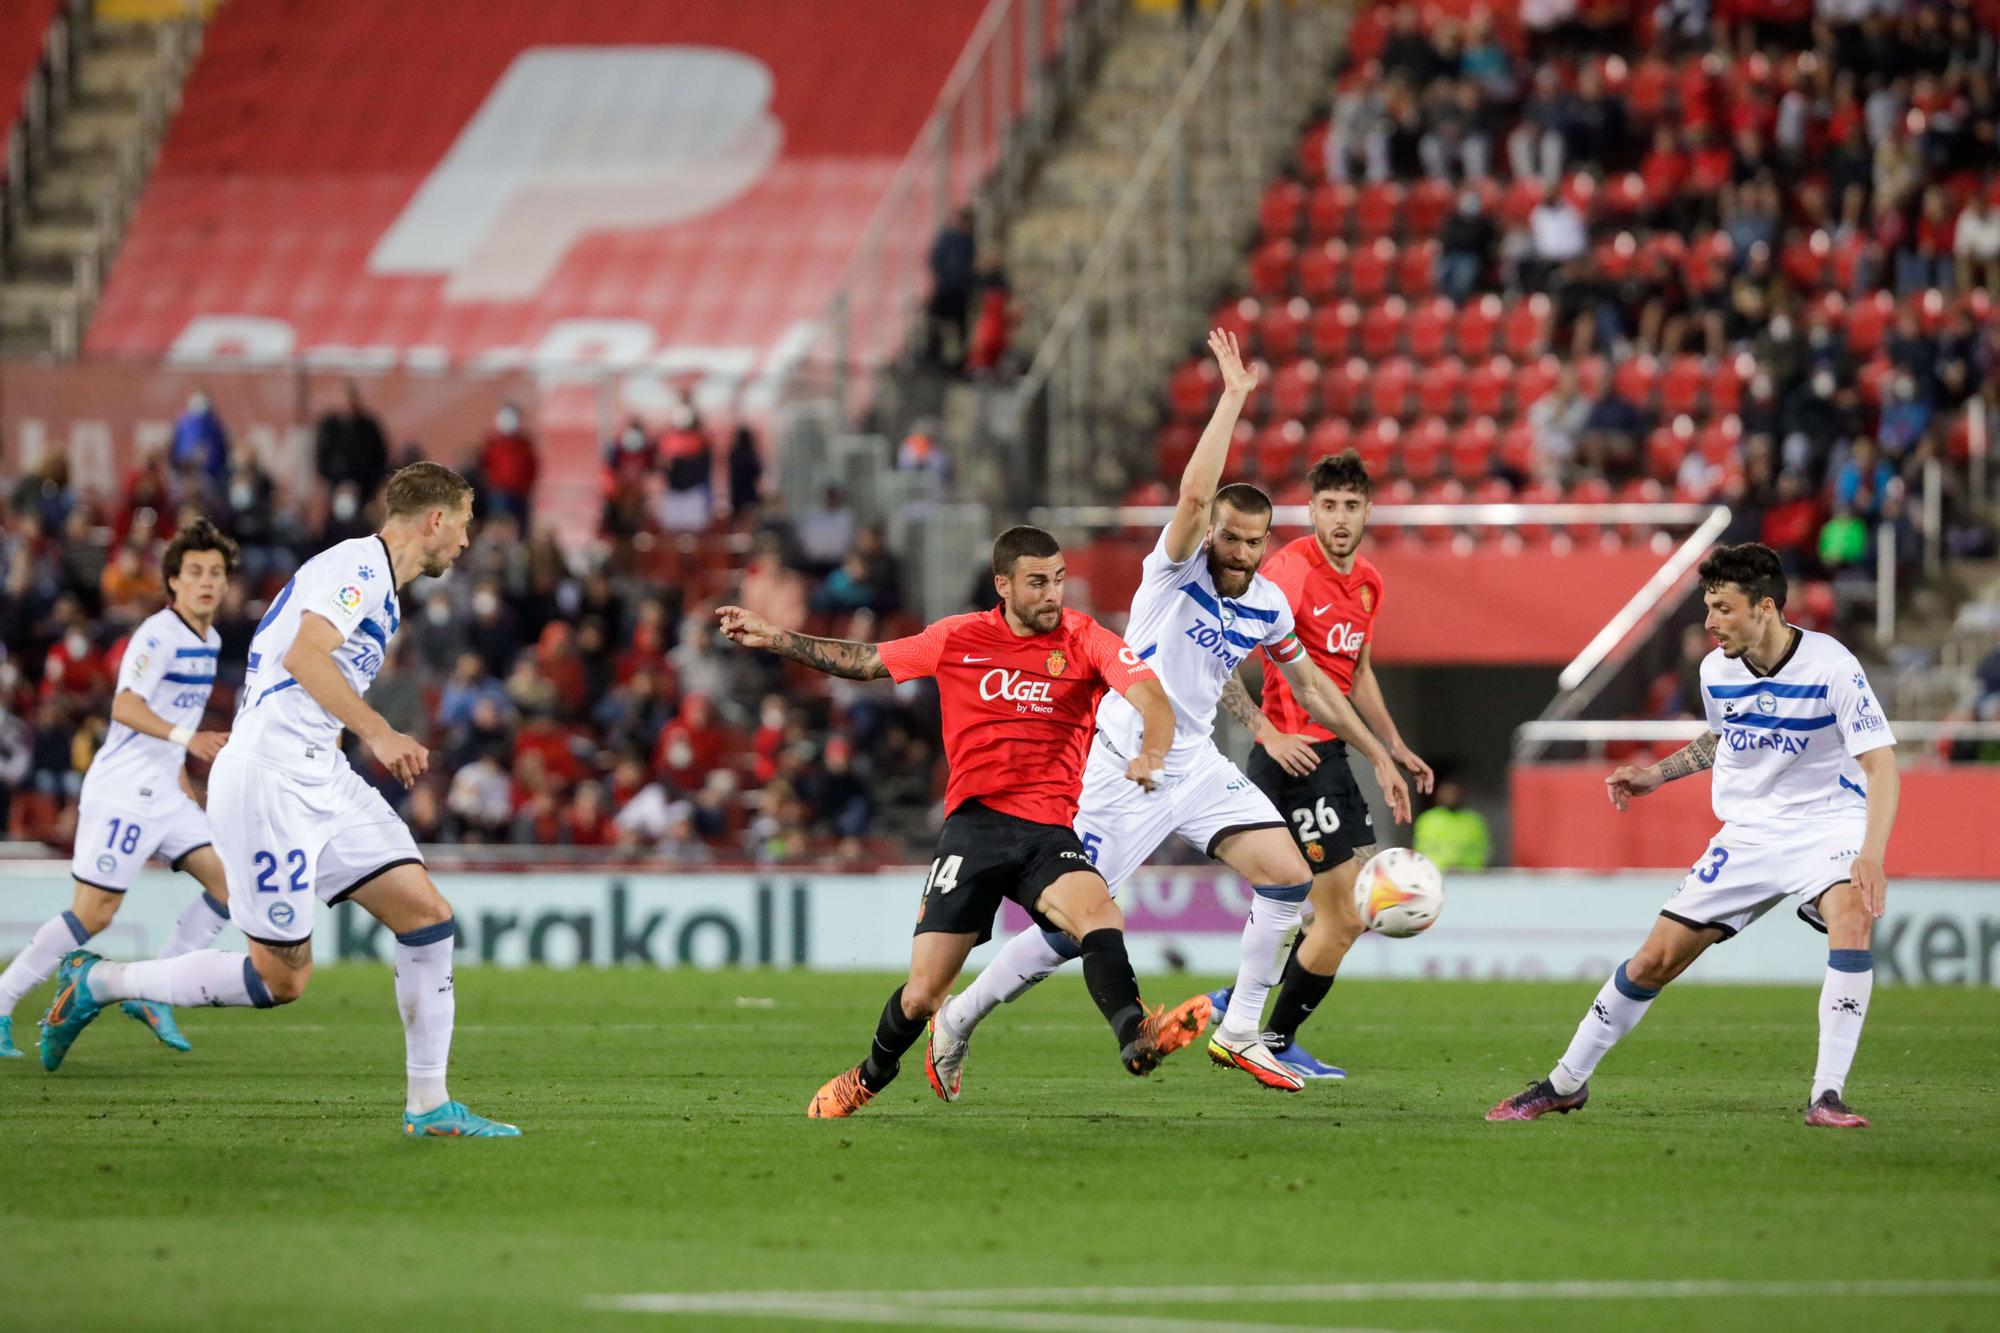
(1294, 754)
(835, 657)
(1634, 780)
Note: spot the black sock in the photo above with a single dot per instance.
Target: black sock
(1298, 995)
(895, 1032)
(1107, 972)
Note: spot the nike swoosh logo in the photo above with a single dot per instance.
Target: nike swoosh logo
(1322, 610)
(969, 658)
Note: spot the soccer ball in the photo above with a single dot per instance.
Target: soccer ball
(1399, 893)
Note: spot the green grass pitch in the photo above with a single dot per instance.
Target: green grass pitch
(262, 1182)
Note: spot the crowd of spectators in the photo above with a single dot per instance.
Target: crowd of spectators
(1806, 196)
(579, 700)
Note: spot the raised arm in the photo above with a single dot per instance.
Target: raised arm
(1327, 706)
(1203, 473)
(310, 662)
(1366, 694)
(1630, 780)
(835, 657)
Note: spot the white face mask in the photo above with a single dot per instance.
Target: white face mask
(484, 603)
(78, 644)
(241, 494)
(344, 506)
(437, 612)
(508, 421)
(198, 404)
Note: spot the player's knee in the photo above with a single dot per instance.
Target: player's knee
(923, 997)
(284, 984)
(96, 911)
(1649, 968)
(1103, 914)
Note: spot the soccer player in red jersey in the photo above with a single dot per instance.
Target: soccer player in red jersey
(1018, 687)
(1335, 594)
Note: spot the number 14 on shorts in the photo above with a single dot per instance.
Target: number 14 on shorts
(944, 874)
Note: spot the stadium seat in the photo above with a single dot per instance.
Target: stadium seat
(1369, 268)
(1416, 268)
(1725, 386)
(1389, 387)
(1472, 449)
(1592, 374)
(1525, 329)
(1376, 444)
(1377, 210)
(1486, 387)
(1321, 268)
(1534, 381)
(1281, 329)
(1341, 387)
(1516, 451)
(1423, 449)
(1280, 447)
(1328, 210)
(1238, 318)
(1681, 386)
(1330, 435)
(1295, 391)
(1271, 270)
(1867, 323)
(1717, 441)
(1311, 162)
(1278, 216)
(1192, 390)
(1666, 447)
(1430, 328)
(1335, 330)
(1438, 387)
(1478, 328)
(1430, 202)
(1634, 380)
(1382, 329)
(1176, 447)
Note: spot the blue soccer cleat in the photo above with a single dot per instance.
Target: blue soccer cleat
(1219, 999)
(8, 1050)
(1302, 1061)
(453, 1121)
(72, 1009)
(160, 1018)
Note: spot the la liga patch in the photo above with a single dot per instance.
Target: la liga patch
(349, 597)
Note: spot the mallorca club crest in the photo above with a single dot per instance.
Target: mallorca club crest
(1316, 852)
(1058, 662)
(1367, 600)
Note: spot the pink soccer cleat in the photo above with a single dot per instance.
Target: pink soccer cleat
(1540, 1099)
(1829, 1112)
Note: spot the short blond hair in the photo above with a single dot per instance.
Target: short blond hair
(422, 487)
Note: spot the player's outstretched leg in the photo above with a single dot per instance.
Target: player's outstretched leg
(206, 977)
(1619, 1006)
(1843, 1006)
(1024, 960)
(935, 959)
(1081, 905)
(1314, 962)
(1238, 1041)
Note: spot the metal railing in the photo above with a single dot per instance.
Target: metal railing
(1018, 71)
(1532, 739)
(1075, 517)
(1173, 239)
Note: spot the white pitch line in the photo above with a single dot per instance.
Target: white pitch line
(819, 1310)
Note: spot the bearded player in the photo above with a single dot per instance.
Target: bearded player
(1201, 608)
(1805, 786)
(1335, 594)
(1019, 687)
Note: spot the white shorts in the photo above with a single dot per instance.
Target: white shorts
(1736, 882)
(114, 839)
(1121, 823)
(287, 845)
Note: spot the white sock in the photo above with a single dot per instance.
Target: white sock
(200, 923)
(37, 963)
(1274, 914)
(1843, 1008)
(1615, 1012)
(424, 995)
(1021, 962)
(206, 976)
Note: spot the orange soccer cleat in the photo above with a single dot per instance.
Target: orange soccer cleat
(1164, 1032)
(840, 1096)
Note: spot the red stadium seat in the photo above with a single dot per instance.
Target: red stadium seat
(1519, 201)
(1486, 387)
(1284, 203)
(1681, 386)
(1320, 269)
(1334, 330)
(1493, 491)
(1341, 387)
(1192, 390)
(1312, 153)
(1868, 322)
(1873, 378)
(1377, 445)
(1534, 381)
(1416, 268)
(1718, 440)
(1368, 270)
(1478, 328)
(1389, 387)
(1430, 328)
(1592, 374)
(1634, 380)
(1382, 329)
(1526, 327)
(1430, 202)
(1328, 210)
(1589, 491)
(1423, 449)
(1438, 386)
(1725, 386)
(1281, 329)
(1617, 257)
(1537, 493)
(1333, 435)
(1647, 89)
(1472, 449)
(1176, 447)
(1666, 447)
(1377, 209)
(1280, 446)
(1271, 269)
(1516, 451)
(1237, 317)
(1295, 391)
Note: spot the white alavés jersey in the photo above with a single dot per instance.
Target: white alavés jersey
(1789, 739)
(353, 585)
(1195, 639)
(173, 669)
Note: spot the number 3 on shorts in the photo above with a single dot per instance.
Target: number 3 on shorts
(944, 874)
(1322, 815)
(1718, 857)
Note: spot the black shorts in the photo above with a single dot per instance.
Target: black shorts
(984, 856)
(1325, 811)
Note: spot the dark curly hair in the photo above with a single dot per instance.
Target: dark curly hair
(1753, 567)
(200, 535)
(1341, 472)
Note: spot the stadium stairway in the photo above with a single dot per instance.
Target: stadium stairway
(124, 77)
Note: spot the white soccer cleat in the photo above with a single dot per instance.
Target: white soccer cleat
(1254, 1058)
(944, 1061)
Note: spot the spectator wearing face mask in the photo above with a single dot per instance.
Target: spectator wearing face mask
(508, 467)
(690, 472)
(350, 447)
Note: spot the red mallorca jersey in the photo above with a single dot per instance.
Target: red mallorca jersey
(1018, 713)
(1335, 615)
